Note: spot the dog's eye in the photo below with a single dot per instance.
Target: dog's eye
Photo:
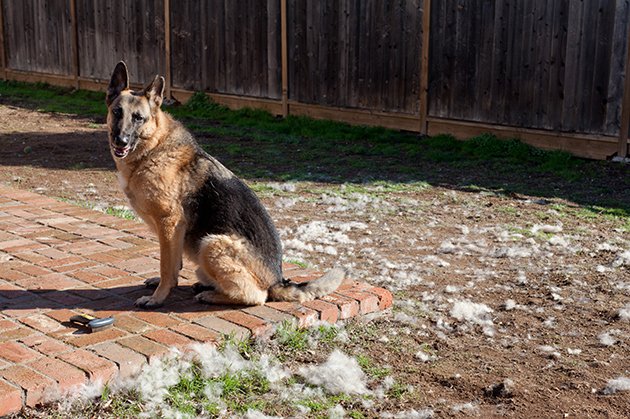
(117, 112)
(137, 117)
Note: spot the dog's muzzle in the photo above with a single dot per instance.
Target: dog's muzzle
(121, 146)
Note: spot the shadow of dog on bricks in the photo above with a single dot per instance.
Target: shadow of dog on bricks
(196, 206)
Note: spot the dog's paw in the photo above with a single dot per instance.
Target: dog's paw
(147, 301)
(198, 288)
(152, 282)
(206, 297)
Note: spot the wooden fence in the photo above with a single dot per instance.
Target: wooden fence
(551, 72)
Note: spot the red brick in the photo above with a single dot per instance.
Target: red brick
(123, 285)
(386, 299)
(368, 303)
(96, 337)
(286, 267)
(10, 398)
(34, 383)
(97, 368)
(157, 319)
(187, 310)
(32, 270)
(7, 244)
(64, 374)
(74, 266)
(62, 315)
(327, 312)
(268, 314)
(144, 346)
(65, 298)
(21, 310)
(106, 257)
(55, 263)
(108, 272)
(45, 344)
(293, 273)
(7, 325)
(139, 265)
(128, 361)
(55, 281)
(298, 279)
(16, 352)
(12, 275)
(88, 276)
(131, 324)
(224, 327)
(25, 248)
(168, 338)
(196, 332)
(93, 294)
(257, 326)
(14, 334)
(348, 307)
(8, 290)
(305, 316)
(53, 253)
(42, 323)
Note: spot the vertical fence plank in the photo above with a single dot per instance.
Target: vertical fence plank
(622, 150)
(75, 42)
(3, 61)
(424, 66)
(167, 48)
(285, 61)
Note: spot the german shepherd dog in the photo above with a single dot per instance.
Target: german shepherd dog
(195, 205)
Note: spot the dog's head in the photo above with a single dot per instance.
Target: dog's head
(131, 115)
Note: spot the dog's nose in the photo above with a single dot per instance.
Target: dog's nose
(121, 141)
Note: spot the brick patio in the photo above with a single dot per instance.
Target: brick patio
(58, 260)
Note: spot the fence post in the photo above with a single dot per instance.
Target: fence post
(622, 150)
(3, 59)
(285, 61)
(424, 66)
(167, 49)
(75, 42)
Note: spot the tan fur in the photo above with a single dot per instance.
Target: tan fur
(236, 274)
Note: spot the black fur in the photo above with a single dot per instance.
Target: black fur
(228, 206)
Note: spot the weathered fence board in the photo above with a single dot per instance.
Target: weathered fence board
(37, 35)
(550, 64)
(114, 30)
(227, 46)
(353, 53)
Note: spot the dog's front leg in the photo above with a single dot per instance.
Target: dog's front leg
(171, 236)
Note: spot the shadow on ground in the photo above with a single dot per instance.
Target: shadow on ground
(121, 298)
(590, 183)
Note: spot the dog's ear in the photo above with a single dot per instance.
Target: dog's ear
(118, 83)
(154, 92)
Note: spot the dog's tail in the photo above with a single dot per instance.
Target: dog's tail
(291, 291)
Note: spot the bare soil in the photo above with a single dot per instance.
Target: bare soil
(554, 275)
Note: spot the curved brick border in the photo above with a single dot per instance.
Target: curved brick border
(57, 260)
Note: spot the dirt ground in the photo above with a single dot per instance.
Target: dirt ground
(506, 305)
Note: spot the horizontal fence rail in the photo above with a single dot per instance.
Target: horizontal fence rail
(550, 72)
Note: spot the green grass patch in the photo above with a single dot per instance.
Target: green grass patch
(291, 337)
(46, 98)
(373, 371)
(258, 145)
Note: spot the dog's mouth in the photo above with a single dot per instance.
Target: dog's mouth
(121, 152)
